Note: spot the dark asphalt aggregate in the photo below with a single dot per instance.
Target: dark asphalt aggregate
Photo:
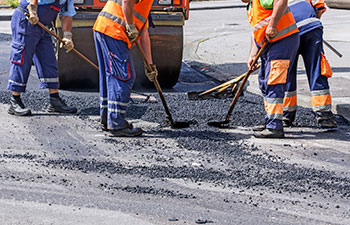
(245, 170)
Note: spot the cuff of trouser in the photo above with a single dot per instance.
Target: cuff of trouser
(274, 124)
(52, 85)
(114, 126)
(17, 88)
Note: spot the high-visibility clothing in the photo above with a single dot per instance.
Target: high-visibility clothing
(304, 12)
(274, 72)
(316, 64)
(33, 44)
(318, 5)
(311, 50)
(260, 18)
(117, 76)
(111, 20)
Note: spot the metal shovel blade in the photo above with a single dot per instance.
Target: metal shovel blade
(195, 95)
(179, 125)
(219, 124)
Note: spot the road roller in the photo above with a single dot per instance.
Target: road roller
(166, 40)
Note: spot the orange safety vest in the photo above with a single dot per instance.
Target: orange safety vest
(111, 20)
(260, 18)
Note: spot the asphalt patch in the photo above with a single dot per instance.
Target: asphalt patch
(243, 170)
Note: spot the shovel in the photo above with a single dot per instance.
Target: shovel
(173, 124)
(223, 124)
(208, 94)
(61, 40)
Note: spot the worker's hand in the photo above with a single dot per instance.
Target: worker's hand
(319, 13)
(68, 41)
(132, 32)
(271, 32)
(151, 75)
(250, 62)
(33, 15)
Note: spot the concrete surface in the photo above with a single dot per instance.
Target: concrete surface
(222, 49)
(40, 213)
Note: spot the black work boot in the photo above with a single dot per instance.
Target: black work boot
(17, 107)
(128, 131)
(327, 124)
(325, 120)
(259, 128)
(58, 105)
(269, 133)
(287, 123)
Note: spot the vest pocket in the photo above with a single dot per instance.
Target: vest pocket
(278, 71)
(118, 67)
(326, 69)
(17, 53)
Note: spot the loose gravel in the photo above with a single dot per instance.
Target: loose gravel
(242, 169)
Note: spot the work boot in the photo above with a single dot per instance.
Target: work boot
(325, 120)
(259, 128)
(17, 107)
(327, 124)
(58, 105)
(129, 131)
(269, 133)
(287, 123)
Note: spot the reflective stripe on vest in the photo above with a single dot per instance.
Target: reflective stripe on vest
(261, 18)
(136, 14)
(112, 17)
(111, 20)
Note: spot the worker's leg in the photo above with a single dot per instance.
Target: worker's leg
(102, 64)
(276, 66)
(24, 40)
(46, 66)
(119, 76)
(290, 96)
(45, 63)
(321, 101)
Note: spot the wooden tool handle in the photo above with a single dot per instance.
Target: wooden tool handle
(61, 40)
(156, 84)
(240, 89)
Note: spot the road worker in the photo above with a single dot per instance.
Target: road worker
(307, 14)
(31, 44)
(272, 24)
(119, 24)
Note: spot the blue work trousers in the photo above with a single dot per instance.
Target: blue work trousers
(276, 62)
(31, 44)
(117, 76)
(310, 49)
